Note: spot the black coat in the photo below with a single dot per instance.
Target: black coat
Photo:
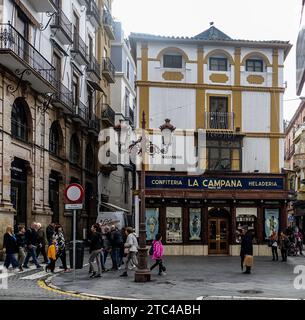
(96, 242)
(10, 243)
(246, 247)
(20, 240)
(31, 237)
(116, 239)
(50, 233)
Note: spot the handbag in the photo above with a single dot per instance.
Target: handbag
(248, 261)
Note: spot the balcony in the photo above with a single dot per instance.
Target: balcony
(108, 70)
(62, 28)
(131, 117)
(79, 50)
(108, 115)
(108, 24)
(93, 13)
(43, 5)
(94, 125)
(290, 152)
(94, 69)
(20, 57)
(63, 98)
(219, 120)
(80, 113)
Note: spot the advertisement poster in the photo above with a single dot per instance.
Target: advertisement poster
(152, 223)
(195, 224)
(271, 222)
(174, 225)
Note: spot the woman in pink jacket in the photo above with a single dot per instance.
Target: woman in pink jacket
(158, 254)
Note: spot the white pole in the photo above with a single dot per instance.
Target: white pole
(74, 244)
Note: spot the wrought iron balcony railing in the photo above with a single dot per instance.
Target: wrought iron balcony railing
(108, 24)
(17, 53)
(63, 98)
(93, 13)
(220, 120)
(63, 25)
(108, 114)
(80, 111)
(94, 67)
(79, 49)
(108, 70)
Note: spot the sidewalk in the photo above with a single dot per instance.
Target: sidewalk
(192, 277)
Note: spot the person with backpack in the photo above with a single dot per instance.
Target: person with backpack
(96, 245)
(157, 254)
(132, 247)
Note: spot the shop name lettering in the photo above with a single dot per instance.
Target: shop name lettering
(214, 183)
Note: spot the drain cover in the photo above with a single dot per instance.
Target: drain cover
(250, 291)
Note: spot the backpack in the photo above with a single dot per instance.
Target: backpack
(151, 250)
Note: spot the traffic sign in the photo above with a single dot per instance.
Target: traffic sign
(74, 206)
(74, 193)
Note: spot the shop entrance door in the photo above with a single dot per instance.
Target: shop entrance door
(218, 236)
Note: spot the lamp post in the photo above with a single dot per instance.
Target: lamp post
(142, 273)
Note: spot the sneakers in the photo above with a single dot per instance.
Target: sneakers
(93, 275)
(97, 276)
(162, 274)
(124, 274)
(38, 266)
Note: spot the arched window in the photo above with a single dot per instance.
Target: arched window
(255, 65)
(74, 149)
(19, 121)
(218, 63)
(54, 139)
(89, 158)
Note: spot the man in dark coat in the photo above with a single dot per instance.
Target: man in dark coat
(246, 247)
(50, 231)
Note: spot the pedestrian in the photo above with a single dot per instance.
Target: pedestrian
(20, 236)
(131, 246)
(274, 246)
(246, 249)
(52, 256)
(299, 240)
(10, 248)
(106, 247)
(284, 245)
(157, 254)
(41, 247)
(116, 243)
(124, 235)
(50, 232)
(31, 245)
(95, 250)
(61, 246)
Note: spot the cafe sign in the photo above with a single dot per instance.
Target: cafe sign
(210, 183)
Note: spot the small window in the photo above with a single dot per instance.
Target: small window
(254, 65)
(19, 123)
(127, 71)
(218, 64)
(172, 61)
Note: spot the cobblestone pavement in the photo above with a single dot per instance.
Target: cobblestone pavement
(192, 278)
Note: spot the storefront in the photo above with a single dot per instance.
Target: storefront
(204, 215)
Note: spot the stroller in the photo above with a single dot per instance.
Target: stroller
(293, 249)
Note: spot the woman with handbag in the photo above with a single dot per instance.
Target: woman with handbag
(274, 246)
(246, 250)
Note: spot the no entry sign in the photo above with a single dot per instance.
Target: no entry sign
(74, 194)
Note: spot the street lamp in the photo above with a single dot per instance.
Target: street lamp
(143, 145)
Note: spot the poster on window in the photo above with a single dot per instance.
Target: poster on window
(195, 224)
(152, 223)
(271, 222)
(173, 225)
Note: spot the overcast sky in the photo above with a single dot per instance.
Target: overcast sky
(239, 19)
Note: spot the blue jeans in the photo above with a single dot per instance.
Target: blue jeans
(102, 260)
(115, 255)
(31, 253)
(11, 259)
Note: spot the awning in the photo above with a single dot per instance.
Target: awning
(95, 86)
(113, 207)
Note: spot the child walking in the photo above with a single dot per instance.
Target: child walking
(52, 256)
(158, 251)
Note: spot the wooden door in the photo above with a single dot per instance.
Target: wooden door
(218, 236)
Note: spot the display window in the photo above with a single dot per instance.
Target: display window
(174, 225)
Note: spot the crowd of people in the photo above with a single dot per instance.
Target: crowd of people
(120, 244)
(21, 244)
